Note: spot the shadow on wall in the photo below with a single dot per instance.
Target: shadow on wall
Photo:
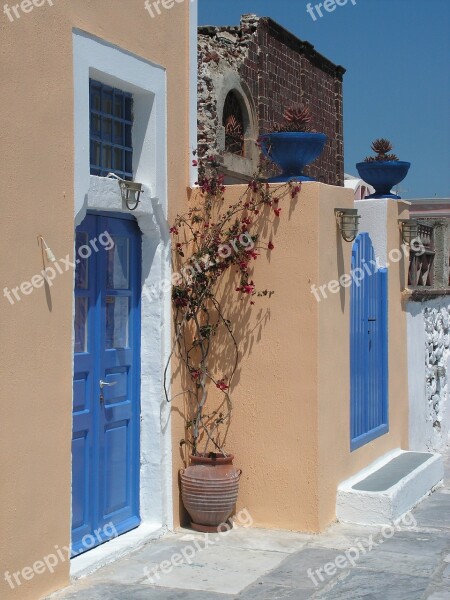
(341, 266)
(248, 324)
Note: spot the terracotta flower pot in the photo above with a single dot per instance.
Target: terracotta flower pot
(209, 490)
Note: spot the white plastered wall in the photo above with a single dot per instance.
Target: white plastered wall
(374, 222)
(147, 82)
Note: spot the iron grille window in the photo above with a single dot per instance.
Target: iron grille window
(421, 264)
(111, 113)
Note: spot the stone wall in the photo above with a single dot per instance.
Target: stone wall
(271, 69)
(428, 358)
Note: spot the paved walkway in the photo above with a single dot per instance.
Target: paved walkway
(409, 562)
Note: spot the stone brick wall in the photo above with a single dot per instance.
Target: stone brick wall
(278, 69)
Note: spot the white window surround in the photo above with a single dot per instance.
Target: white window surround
(147, 82)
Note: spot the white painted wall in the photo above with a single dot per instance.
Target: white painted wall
(374, 222)
(416, 378)
(147, 83)
(428, 349)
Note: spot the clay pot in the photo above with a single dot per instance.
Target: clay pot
(209, 490)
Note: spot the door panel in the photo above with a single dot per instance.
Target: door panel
(106, 408)
(83, 457)
(80, 481)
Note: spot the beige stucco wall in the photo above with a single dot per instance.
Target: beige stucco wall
(273, 430)
(37, 141)
(290, 430)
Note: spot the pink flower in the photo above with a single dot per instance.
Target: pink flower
(277, 211)
(270, 246)
(248, 288)
(252, 254)
(222, 385)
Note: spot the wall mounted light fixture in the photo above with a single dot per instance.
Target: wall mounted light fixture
(130, 191)
(409, 229)
(347, 220)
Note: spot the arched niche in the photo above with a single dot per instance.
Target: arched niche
(238, 129)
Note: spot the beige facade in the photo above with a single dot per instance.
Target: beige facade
(290, 429)
(37, 140)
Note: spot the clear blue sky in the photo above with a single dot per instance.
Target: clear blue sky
(397, 85)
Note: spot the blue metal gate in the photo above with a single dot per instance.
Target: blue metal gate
(368, 346)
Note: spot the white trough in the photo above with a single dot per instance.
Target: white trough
(388, 488)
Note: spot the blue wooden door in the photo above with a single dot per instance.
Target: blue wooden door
(106, 406)
(368, 346)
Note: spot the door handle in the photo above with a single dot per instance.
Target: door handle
(106, 384)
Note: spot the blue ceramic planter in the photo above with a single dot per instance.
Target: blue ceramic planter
(383, 176)
(292, 151)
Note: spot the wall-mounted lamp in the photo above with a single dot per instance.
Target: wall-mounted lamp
(347, 220)
(130, 191)
(409, 229)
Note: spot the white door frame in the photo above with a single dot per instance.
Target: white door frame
(147, 82)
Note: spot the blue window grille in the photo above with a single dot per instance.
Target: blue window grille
(111, 113)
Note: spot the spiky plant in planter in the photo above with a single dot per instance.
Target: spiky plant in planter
(293, 144)
(384, 170)
(297, 118)
(381, 147)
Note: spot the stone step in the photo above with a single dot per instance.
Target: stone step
(384, 491)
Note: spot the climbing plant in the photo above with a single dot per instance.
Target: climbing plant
(211, 240)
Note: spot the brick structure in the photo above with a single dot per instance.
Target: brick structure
(267, 69)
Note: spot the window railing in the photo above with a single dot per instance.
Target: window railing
(421, 264)
(111, 113)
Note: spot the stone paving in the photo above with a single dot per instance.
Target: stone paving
(347, 562)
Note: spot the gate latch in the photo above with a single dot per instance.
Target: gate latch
(106, 384)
